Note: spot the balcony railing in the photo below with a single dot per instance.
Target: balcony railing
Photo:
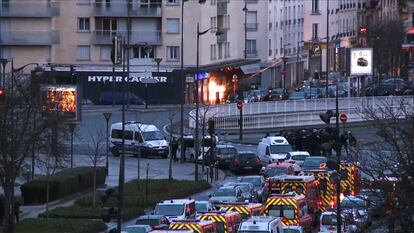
(29, 9)
(20, 37)
(251, 26)
(120, 9)
(251, 53)
(104, 37)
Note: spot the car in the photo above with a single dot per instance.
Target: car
(277, 169)
(225, 154)
(362, 62)
(298, 157)
(259, 184)
(273, 149)
(314, 162)
(328, 222)
(249, 192)
(292, 229)
(226, 194)
(245, 161)
(261, 224)
(152, 220)
(203, 206)
(297, 95)
(356, 209)
(138, 229)
(176, 209)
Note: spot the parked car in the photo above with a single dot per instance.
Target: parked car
(298, 157)
(152, 220)
(293, 229)
(138, 229)
(245, 161)
(226, 194)
(249, 193)
(259, 184)
(225, 154)
(277, 169)
(356, 210)
(314, 162)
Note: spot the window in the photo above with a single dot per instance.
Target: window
(84, 52)
(173, 2)
(270, 47)
(251, 47)
(173, 53)
(220, 50)
(315, 6)
(213, 52)
(105, 53)
(173, 26)
(143, 52)
(315, 31)
(84, 25)
(138, 137)
(227, 49)
(251, 20)
(83, 2)
(213, 23)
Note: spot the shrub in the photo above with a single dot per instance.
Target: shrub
(64, 183)
(38, 225)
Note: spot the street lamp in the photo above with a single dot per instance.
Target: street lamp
(107, 116)
(219, 32)
(148, 50)
(284, 59)
(297, 61)
(245, 29)
(72, 127)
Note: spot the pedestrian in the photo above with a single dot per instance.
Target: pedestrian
(174, 147)
(17, 209)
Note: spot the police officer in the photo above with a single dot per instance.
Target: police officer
(174, 148)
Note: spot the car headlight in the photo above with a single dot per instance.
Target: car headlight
(150, 146)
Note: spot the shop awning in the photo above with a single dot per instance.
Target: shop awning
(249, 65)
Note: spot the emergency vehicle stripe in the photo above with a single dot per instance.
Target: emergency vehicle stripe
(280, 201)
(240, 209)
(189, 226)
(294, 186)
(215, 218)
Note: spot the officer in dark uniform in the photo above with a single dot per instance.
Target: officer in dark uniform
(174, 148)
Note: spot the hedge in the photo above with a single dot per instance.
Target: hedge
(62, 184)
(38, 225)
(86, 212)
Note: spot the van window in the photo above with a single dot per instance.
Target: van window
(138, 137)
(117, 133)
(276, 149)
(169, 209)
(152, 136)
(287, 211)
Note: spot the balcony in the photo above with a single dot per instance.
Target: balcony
(251, 53)
(104, 37)
(29, 9)
(21, 38)
(121, 10)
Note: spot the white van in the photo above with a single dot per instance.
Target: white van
(176, 209)
(272, 149)
(146, 138)
(205, 146)
(262, 224)
(328, 222)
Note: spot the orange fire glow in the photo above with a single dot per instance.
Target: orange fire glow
(213, 88)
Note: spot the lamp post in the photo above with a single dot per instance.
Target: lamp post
(148, 50)
(284, 59)
(327, 46)
(297, 61)
(182, 154)
(219, 32)
(245, 29)
(107, 116)
(72, 126)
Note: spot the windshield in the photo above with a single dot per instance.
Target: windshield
(225, 193)
(227, 151)
(276, 149)
(244, 187)
(151, 222)
(169, 210)
(353, 204)
(290, 231)
(276, 171)
(256, 181)
(152, 135)
(313, 162)
(247, 156)
(201, 207)
(287, 211)
(329, 219)
(299, 157)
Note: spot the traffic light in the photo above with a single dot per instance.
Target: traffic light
(2, 97)
(326, 117)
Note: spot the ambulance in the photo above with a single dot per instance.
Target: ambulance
(262, 224)
(306, 185)
(227, 222)
(197, 226)
(246, 210)
(176, 209)
(292, 208)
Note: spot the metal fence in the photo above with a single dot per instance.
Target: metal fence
(278, 114)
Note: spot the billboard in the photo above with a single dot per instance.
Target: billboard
(361, 61)
(60, 101)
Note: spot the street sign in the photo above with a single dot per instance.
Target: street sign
(189, 79)
(239, 104)
(343, 118)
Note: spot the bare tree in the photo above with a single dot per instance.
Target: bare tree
(388, 164)
(96, 148)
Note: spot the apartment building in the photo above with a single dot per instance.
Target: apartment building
(80, 32)
(285, 42)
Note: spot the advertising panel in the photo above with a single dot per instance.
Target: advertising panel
(361, 61)
(60, 101)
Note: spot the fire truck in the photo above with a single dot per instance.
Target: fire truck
(350, 178)
(327, 189)
(246, 210)
(197, 226)
(292, 208)
(306, 185)
(227, 222)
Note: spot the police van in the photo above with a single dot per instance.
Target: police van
(273, 149)
(263, 224)
(176, 209)
(139, 138)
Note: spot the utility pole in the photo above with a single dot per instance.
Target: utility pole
(327, 47)
(182, 152)
(245, 28)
